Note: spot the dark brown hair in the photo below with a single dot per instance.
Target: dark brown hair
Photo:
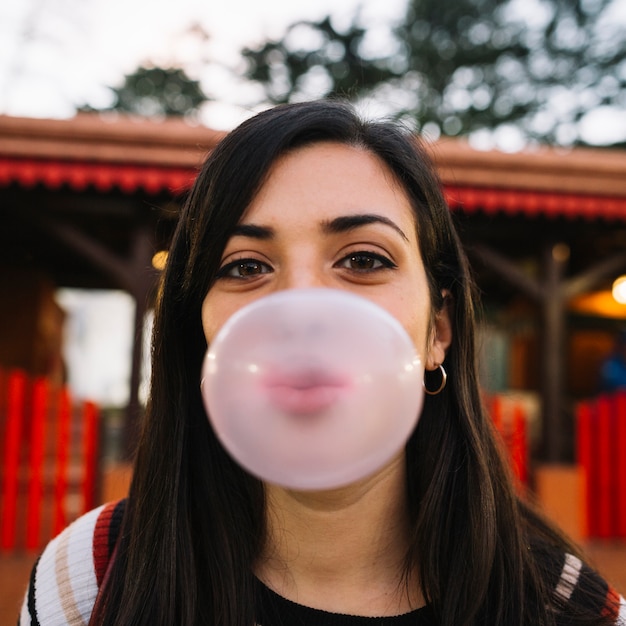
(194, 521)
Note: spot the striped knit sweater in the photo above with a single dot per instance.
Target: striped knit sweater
(65, 581)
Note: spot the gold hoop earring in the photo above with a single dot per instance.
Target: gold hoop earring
(444, 380)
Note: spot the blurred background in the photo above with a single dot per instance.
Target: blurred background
(505, 75)
(108, 108)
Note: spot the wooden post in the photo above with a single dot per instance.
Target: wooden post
(137, 276)
(145, 278)
(551, 293)
(552, 350)
(133, 409)
(63, 456)
(90, 454)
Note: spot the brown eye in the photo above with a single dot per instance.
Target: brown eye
(247, 269)
(244, 268)
(366, 262)
(363, 262)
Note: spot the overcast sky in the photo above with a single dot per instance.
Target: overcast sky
(55, 54)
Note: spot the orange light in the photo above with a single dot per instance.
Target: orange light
(159, 260)
(619, 290)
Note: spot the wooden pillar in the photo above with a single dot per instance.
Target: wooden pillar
(552, 293)
(136, 275)
(144, 283)
(133, 408)
(552, 351)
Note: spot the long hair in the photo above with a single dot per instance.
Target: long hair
(194, 521)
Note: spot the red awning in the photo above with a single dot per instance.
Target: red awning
(81, 175)
(128, 178)
(529, 203)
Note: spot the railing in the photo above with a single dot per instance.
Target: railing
(48, 460)
(49, 456)
(601, 450)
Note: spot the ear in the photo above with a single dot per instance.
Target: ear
(441, 334)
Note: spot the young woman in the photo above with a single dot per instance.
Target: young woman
(301, 196)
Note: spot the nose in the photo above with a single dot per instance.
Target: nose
(306, 275)
(308, 282)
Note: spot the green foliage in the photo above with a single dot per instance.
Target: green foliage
(158, 92)
(461, 65)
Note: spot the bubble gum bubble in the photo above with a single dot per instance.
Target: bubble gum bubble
(312, 388)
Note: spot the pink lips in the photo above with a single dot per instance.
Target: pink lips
(305, 391)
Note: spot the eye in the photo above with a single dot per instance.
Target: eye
(244, 268)
(365, 262)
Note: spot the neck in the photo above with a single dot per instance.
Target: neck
(342, 550)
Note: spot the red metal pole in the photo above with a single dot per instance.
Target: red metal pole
(620, 458)
(605, 505)
(62, 460)
(520, 444)
(15, 415)
(496, 413)
(35, 482)
(585, 459)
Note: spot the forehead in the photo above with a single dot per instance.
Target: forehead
(319, 180)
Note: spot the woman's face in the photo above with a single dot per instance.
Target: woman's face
(330, 215)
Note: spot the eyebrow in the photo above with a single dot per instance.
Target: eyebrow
(253, 231)
(350, 222)
(337, 225)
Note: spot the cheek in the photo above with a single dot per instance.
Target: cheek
(218, 307)
(419, 330)
(415, 319)
(415, 315)
(211, 318)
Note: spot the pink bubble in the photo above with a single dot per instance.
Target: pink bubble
(312, 388)
(305, 390)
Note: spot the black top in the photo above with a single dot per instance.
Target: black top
(274, 610)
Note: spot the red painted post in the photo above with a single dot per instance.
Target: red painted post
(584, 455)
(496, 413)
(62, 461)
(605, 462)
(15, 415)
(35, 469)
(90, 449)
(520, 444)
(620, 458)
